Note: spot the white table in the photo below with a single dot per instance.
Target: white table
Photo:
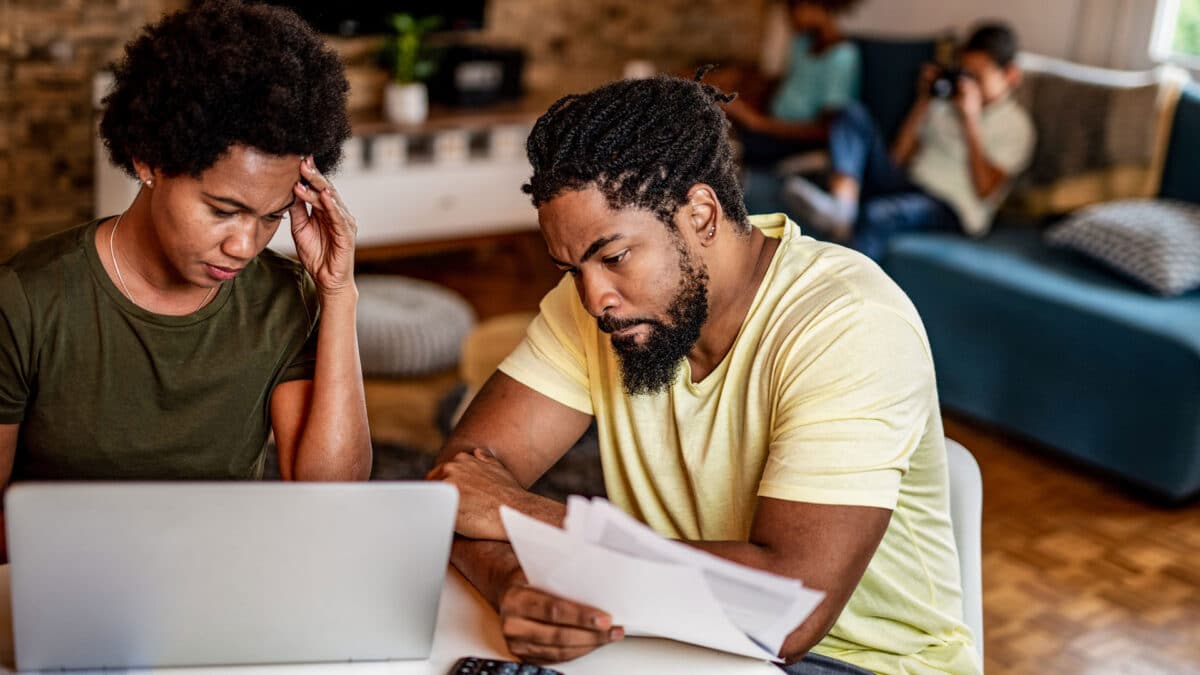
(467, 625)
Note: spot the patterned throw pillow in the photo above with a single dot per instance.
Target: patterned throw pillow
(1153, 241)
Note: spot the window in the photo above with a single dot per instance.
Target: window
(1177, 32)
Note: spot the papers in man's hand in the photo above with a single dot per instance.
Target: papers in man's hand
(654, 586)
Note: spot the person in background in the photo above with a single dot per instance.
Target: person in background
(166, 342)
(822, 78)
(951, 166)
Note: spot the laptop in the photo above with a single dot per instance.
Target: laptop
(128, 575)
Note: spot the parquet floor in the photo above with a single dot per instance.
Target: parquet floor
(1079, 575)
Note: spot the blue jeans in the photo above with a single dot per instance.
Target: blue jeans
(815, 664)
(890, 203)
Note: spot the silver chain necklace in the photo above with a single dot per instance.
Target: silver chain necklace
(117, 268)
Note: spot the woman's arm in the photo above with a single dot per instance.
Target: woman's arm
(321, 425)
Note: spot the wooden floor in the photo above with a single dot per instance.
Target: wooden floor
(1079, 575)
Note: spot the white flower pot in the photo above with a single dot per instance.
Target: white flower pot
(406, 103)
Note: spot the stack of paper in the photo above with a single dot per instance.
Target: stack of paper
(657, 587)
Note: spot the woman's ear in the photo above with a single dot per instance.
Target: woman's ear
(145, 173)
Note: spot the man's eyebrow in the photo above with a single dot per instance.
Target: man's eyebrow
(242, 207)
(591, 250)
(599, 244)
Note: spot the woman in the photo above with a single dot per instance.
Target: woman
(822, 77)
(165, 342)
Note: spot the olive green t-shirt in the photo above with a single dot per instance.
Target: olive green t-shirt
(104, 389)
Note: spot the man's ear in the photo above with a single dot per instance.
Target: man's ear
(702, 213)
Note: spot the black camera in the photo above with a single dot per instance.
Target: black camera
(945, 85)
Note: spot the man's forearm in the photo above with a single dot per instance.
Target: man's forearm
(818, 624)
(490, 566)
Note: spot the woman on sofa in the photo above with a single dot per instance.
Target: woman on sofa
(821, 78)
(166, 342)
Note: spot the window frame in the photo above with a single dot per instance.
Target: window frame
(1166, 18)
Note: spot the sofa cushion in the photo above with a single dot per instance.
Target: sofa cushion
(1154, 242)
(1102, 134)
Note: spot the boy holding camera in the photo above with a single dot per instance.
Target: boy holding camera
(952, 163)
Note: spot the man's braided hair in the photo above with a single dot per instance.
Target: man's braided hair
(642, 143)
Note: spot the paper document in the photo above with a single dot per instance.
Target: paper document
(654, 586)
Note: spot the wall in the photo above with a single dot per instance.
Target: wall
(1110, 33)
(577, 44)
(49, 50)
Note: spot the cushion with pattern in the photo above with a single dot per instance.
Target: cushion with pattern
(1155, 242)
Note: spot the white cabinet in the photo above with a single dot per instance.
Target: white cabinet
(453, 178)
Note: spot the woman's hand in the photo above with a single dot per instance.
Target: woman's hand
(325, 238)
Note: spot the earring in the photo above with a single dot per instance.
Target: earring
(712, 231)
(149, 182)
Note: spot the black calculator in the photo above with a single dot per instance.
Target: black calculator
(474, 665)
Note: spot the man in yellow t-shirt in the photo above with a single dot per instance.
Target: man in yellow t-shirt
(758, 394)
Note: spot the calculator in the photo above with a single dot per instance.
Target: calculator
(474, 665)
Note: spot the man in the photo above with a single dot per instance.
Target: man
(952, 163)
(758, 394)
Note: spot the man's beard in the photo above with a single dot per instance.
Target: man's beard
(650, 368)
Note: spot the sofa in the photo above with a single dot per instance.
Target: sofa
(1043, 343)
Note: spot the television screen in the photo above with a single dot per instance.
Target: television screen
(369, 17)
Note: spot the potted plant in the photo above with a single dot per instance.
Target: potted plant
(406, 99)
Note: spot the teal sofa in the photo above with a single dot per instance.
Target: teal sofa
(1051, 347)
(1038, 341)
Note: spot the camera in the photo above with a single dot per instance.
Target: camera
(945, 85)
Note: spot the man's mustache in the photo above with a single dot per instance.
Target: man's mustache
(611, 325)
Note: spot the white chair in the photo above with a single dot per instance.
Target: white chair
(966, 515)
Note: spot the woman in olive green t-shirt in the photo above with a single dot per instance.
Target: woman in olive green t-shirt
(165, 342)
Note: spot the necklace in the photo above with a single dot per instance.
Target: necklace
(117, 268)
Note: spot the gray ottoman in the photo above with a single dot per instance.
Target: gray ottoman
(408, 327)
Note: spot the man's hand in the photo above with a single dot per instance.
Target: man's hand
(484, 485)
(542, 628)
(969, 100)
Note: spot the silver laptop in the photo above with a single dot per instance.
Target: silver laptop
(124, 575)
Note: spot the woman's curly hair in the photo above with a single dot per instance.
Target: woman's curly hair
(642, 143)
(223, 74)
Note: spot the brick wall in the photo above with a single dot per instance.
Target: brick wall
(573, 44)
(50, 49)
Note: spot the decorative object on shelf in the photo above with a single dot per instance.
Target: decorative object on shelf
(406, 98)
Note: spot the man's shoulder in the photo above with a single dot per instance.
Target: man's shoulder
(818, 281)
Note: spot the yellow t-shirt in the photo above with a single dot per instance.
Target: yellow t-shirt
(827, 396)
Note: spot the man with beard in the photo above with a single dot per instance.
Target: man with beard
(761, 395)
